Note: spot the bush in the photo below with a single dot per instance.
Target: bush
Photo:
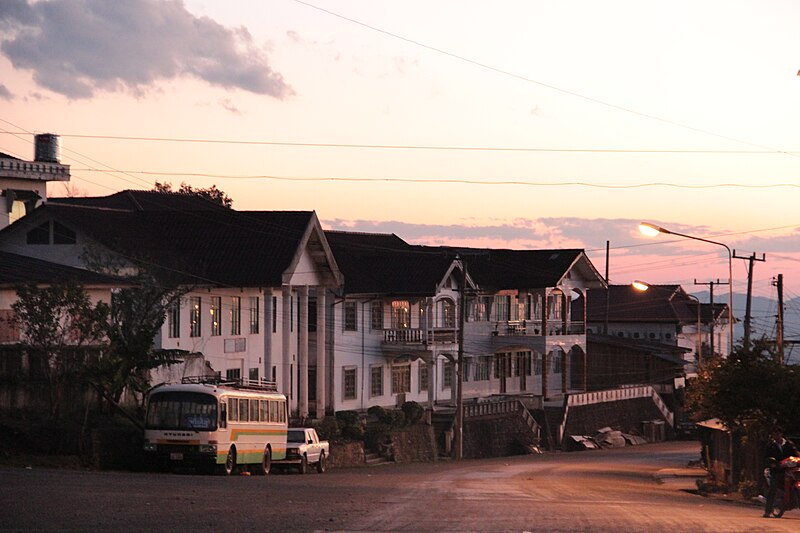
(378, 412)
(328, 429)
(350, 425)
(413, 412)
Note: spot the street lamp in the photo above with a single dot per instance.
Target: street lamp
(651, 230)
(698, 346)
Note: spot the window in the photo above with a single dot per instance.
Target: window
(174, 319)
(233, 374)
(233, 409)
(244, 410)
(62, 234)
(376, 380)
(537, 365)
(482, 368)
(423, 377)
(447, 313)
(502, 305)
(236, 315)
(195, 318)
(216, 317)
(263, 411)
(39, 235)
(350, 315)
(401, 379)
(253, 410)
(401, 314)
(447, 374)
(557, 356)
(349, 385)
(254, 314)
(377, 315)
(253, 374)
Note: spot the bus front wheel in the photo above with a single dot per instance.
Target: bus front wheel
(229, 467)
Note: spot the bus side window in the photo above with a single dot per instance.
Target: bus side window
(223, 415)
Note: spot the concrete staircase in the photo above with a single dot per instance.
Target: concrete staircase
(375, 459)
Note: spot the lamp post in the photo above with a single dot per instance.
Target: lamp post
(698, 345)
(651, 230)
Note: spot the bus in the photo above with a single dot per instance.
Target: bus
(216, 426)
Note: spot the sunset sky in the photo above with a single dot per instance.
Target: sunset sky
(520, 124)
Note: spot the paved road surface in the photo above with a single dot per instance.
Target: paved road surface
(624, 490)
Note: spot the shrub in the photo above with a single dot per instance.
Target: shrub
(413, 412)
(378, 412)
(328, 429)
(350, 425)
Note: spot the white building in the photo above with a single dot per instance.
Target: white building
(23, 184)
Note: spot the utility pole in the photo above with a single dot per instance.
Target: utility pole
(608, 290)
(713, 314)
(779, 333)
(459, 429)
(747, 315)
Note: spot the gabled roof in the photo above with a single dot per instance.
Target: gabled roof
(660, 303)
(191, 239)
(6, 156)
(498, 269)
(16, 269)
(385, 264)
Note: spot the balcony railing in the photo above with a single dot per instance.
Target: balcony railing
(420, 336)
(534, 328)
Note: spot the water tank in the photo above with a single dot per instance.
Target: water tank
(46, 148)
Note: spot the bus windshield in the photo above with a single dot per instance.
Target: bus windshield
(182, 410)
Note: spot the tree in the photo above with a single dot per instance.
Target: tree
(211, 193)
(137, 314)
(57, 324)
(748, 391)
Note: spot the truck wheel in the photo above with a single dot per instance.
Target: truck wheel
(263, 468)
(321, 463)
(303, 468)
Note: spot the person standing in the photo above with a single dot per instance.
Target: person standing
(779, 449)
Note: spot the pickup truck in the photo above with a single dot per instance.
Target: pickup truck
(303, 448)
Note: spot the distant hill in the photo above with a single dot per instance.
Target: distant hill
(764, 312)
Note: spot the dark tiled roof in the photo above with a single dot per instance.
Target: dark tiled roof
(143, 201)
(217, 246)
(16, 269)
(385, 264)
(660, 303)
(501, 269)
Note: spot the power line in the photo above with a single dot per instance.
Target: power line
(536, 82)
(417, 147)
(451, 181)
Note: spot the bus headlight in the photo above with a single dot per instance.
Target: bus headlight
(207, 448)
(149, 446)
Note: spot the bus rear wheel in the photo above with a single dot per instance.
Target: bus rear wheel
(263, 468)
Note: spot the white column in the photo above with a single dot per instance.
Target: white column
(322, 361)
(267, 335)
(302, 351)
(286, 347)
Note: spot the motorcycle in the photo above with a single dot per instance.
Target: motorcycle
(787, 497)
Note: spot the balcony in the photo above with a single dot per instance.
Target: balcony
(534, 328)
(409, 336)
